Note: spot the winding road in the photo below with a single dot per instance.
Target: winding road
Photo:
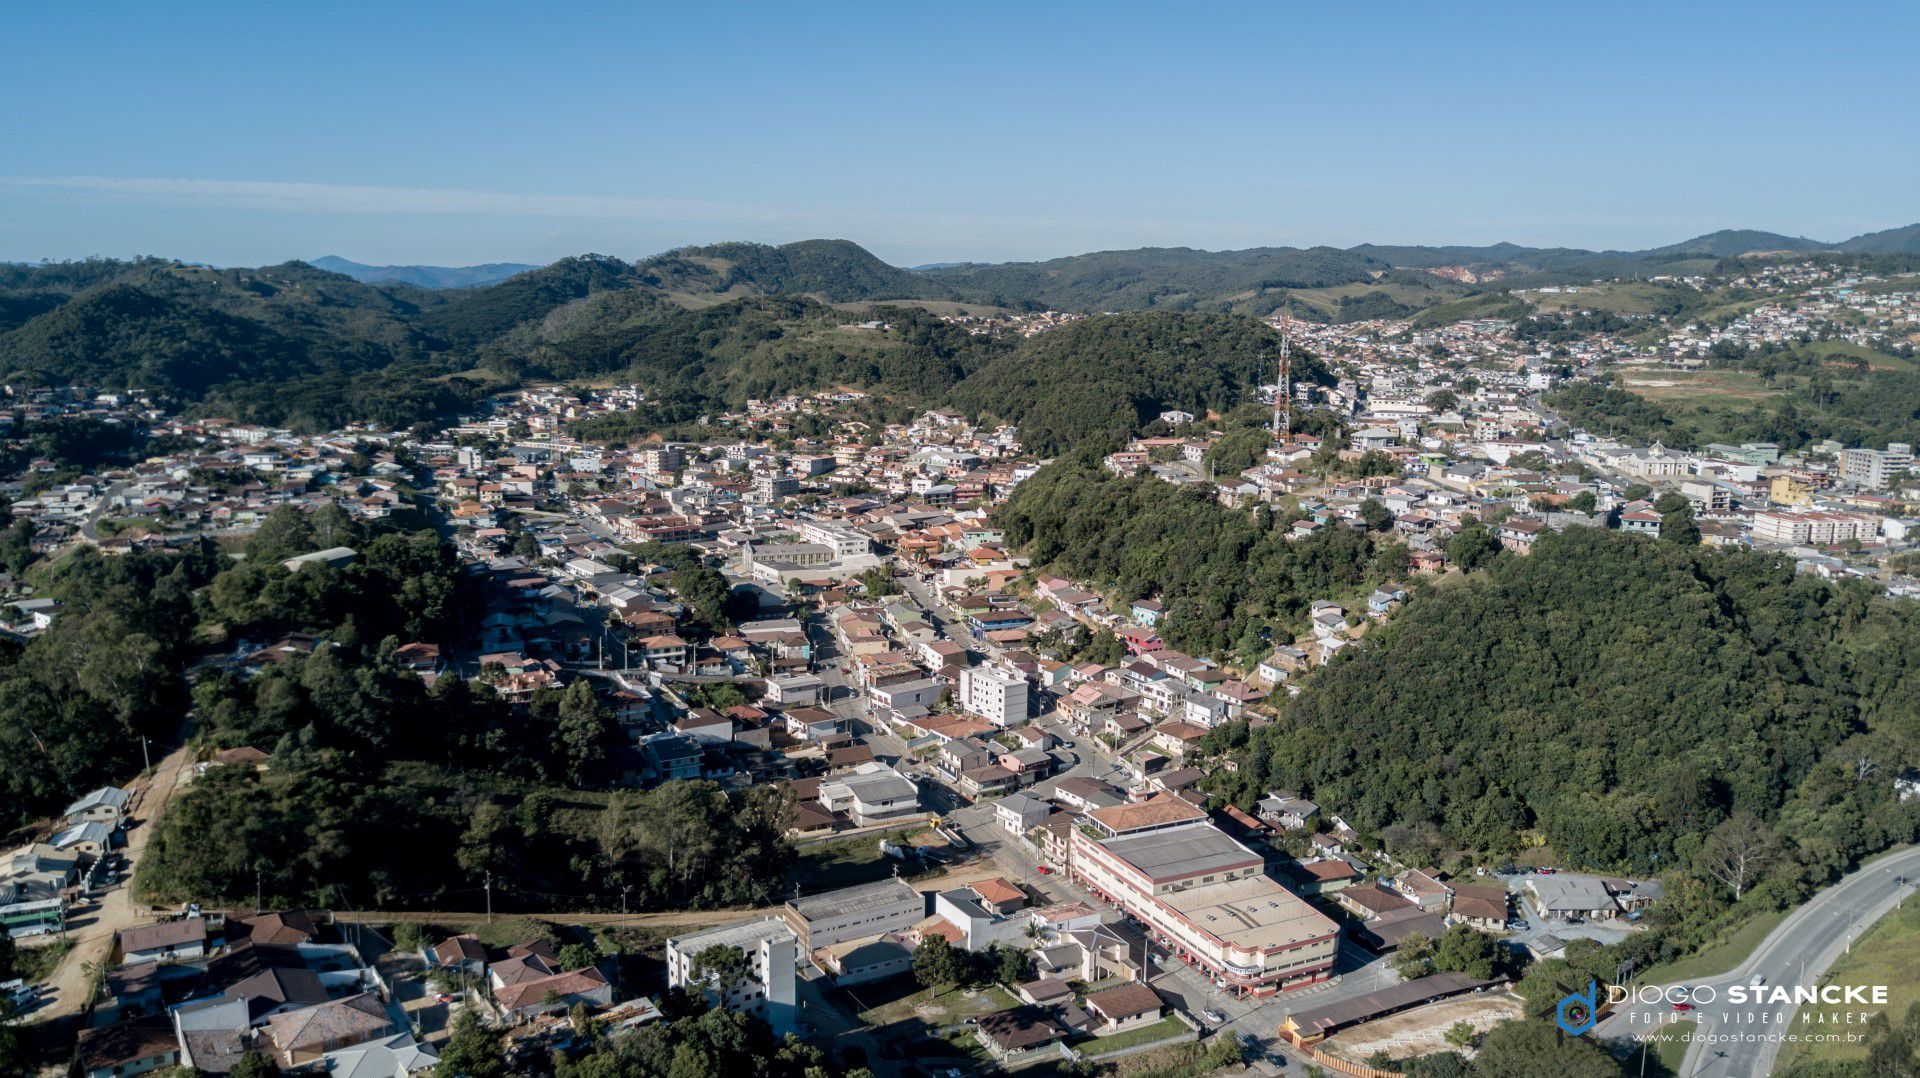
(1743, 1040)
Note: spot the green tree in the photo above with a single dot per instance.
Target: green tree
(411, 937)
(1529, 1048)
(936, 964)
(1011, 965)
(1376, 517)
(1472, 547)
(585, 734)
(577, 956)
(878, 582)
(1224, 1050)
(1414, 957)
(1465, 949)
(472, 1050)
(1679, 528)
(721, 967)
(254, 1065)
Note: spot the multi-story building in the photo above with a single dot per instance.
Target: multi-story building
(1204, 896)
(996, 695)
(766, 991)
(1813, 529)
(1876, 469)
(847, 542)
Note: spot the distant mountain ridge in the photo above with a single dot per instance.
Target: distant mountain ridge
(309, 346)
(422, 276)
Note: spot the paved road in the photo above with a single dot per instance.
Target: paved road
(1742, 1040)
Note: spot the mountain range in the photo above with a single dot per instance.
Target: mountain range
(422, 276)
(1125, 278)
(302, 344)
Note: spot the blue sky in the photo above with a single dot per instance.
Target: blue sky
(443, 133)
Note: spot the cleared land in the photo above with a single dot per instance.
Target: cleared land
(1423, 1030)
(1698, 386)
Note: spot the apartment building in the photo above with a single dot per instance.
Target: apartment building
(996, 695)
(766, 991)
(1813, 529)
(1876, 469)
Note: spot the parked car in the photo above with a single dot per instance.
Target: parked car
(1213, 1016)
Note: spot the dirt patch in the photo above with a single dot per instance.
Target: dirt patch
(1423, 1030)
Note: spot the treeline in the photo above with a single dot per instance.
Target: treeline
(76, 700)
(1641, 707)
(1870, 408)
(1232, 581)
(383, 789)
(1099, 380)
(325, 827)
(291, 345)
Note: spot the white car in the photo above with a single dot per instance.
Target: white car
(1213, 1016)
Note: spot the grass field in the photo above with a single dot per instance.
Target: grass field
(1668, 1050)
(934, 1007)
(1698, 386)
(1327, 300)
(36, 963)
(1888, 954)
(1618, 297)
(1165, 1028)
(846, 862)
(1717, 958)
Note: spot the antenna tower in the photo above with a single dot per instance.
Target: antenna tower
(1283, 395)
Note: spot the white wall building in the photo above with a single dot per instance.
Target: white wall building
(996, 695)
(772, 954)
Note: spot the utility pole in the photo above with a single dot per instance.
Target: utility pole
(146, 757)
(258, 889)
(489, 896)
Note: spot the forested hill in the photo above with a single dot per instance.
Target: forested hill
(835, 270)
(1101, 379)
(302, 347)
(1619, 698)
(296, 345)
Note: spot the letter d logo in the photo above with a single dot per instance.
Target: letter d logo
(1576, 1013)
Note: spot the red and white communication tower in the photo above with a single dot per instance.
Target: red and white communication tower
(1283, 395)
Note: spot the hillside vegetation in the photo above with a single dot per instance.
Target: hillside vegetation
(1620, 699)
(1229, 577)
(296, 345)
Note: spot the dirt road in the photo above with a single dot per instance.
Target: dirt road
(952, 877)
(93, 936)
